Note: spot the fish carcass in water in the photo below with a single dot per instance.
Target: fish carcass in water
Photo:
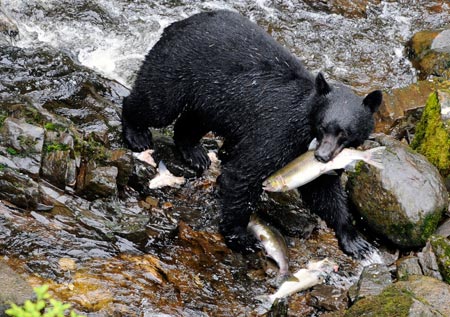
(306, 168)
(272, 242)
(314, 274)
(165, 178)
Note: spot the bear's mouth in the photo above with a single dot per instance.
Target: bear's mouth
(328, 148)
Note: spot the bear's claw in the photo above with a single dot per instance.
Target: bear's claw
(196, 157)
(137, 140)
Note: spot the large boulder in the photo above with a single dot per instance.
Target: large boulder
(404, 201)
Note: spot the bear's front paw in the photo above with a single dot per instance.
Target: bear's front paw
(196, 157)
(137, 140)
(357, 247)
(239, 240)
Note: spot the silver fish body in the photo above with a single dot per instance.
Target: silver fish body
(272, 241)
(306, 168)
(314, 274)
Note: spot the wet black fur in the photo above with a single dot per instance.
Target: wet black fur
(218, 71)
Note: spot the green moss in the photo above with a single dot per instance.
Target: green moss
(2, 119)
(91, 149)
(2, 167)
(27, 141)
(12, 151)
(441, 247)
(391, 302)
(431, 138)
(50, 126)
(429, 225)
(52, 147)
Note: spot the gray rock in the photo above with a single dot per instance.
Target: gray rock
(407, 266)
(429, 291)
(419, 309)
(18, 188)
(441, 42)
(100, 181)
(23, 143)
(58, 163)
(441, 248)
(428, 262)
(373, 280)
(418, 296)
(444, 229)
(403, 202)
(14, 288)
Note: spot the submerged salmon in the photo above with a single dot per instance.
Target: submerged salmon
(272, 242)
(306, 168)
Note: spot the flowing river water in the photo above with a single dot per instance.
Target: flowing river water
(364, 48)
(76, 248)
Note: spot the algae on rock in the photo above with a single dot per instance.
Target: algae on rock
(432, 137)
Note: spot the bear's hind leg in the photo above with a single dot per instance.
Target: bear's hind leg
(188, 131)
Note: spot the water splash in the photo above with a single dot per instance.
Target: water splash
(113, 37)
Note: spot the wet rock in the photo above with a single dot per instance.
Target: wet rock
(328, 297)
(14, 288)
(373, 280)
(22, 143)
(419, 296)
(98, 181)
(58, 161)
(407, 266)
(432, 137)
(429, 53)
(403, 202)
(123, 160)
(400, 109)
(353, 9)
(441, 248)
(19, 189)
(428, 262)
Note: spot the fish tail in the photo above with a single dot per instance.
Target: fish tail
(375, 157)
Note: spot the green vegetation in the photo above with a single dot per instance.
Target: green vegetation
(12, 151)
(52, 147)
(392, 302)
(44, 306)
(441, 247)
(2, 119)
(432, 138)
(50, 126)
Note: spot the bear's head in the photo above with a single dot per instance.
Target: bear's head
(340, 118)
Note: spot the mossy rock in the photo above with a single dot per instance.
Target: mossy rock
(441, 248)
(425, 58)
(418, 296)
(404, 201)
(391, 302)
(432, 138)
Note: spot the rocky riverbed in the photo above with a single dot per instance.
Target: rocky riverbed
(77, 212)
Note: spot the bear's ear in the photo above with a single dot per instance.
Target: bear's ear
(373, 100)
(322, 86)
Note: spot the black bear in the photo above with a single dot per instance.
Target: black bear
(218, 71)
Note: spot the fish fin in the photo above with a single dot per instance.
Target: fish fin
(375, 157)
(162, 168)
(332, 172)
